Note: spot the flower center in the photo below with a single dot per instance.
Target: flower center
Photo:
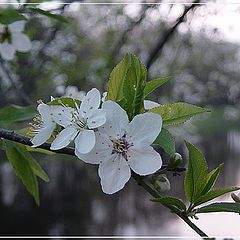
(80, 123)
(121, 146)
(5, 35)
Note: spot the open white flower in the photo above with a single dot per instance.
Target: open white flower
(80, 124)
(44, 125)
(13, 39)
(121, 146)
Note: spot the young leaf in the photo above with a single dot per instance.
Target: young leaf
(211, 178)
(133, 86)
(36, 168)
(195, 178)
(220, 207)
(16, 113)
(166, 141)
(66, 101)
(23, 171)
(50, 15)
(154, 84)
(213, 194)
(116, 80)
(171, 201)
(177, 113)
(10, 15)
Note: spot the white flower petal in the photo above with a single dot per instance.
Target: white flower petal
(2, 27)
(144, 128)
(43, 135)
(7, 51)
(144, 161)
(64, 138)
(85, 141)
(17, 26)
(114, 173)
(45, 112)
(96, 119)
(116, 120)
(62, 115)
(90, 102)
(21, 42)
(102, 150)
(150, 104)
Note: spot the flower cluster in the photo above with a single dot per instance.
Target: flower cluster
(102, 134)
(13, 39)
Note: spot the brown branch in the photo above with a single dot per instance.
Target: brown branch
(155, 52)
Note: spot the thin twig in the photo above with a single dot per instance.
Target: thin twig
(166, 36)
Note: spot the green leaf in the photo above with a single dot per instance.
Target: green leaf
(10, 15)
(24, 171)
(177, 113)
(166, 141)
(16, 113)
(50, 15)
(195, 179)
(116, 80)
(153, 84)
(39, 150)
(171, 201)
(213, 194)
(36, 168)
(133, 86)
(220, 207)
(66, 101)
(211, 178)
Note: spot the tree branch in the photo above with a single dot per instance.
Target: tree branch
(162, 41)
(11, 135)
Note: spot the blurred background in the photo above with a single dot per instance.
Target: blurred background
(197, 45)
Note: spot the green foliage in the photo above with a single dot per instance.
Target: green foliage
(153, 84)
(10, 15)
(177, 113)
(126, 84)
(195, 178)
(171, 201)
(220, 207)
(166, 141)
(213, 194)
(16, 113)
(25, 167)
(50, 15)
(68, 102)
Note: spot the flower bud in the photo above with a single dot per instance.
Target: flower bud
(175, 161)
(162, 183)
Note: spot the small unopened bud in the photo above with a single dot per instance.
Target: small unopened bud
(175, 161)
(39, 101)
(235, 197)
(162, 183)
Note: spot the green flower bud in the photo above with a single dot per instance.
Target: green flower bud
(175, 161)
(161, 183)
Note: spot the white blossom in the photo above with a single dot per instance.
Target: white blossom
(79, 125)
(122, 146)
(13, 39)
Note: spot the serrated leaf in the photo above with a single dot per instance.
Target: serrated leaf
(50, 15)
(10, 15)
(211, 178)
(116, 80)
(195, 178)
(23, 171)
(220, 207)
(66, 101)
(154, 84)
(214, 194)
(166, 141)
(171, 201)
(16, 113)
(133, 86)
(177, 113)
